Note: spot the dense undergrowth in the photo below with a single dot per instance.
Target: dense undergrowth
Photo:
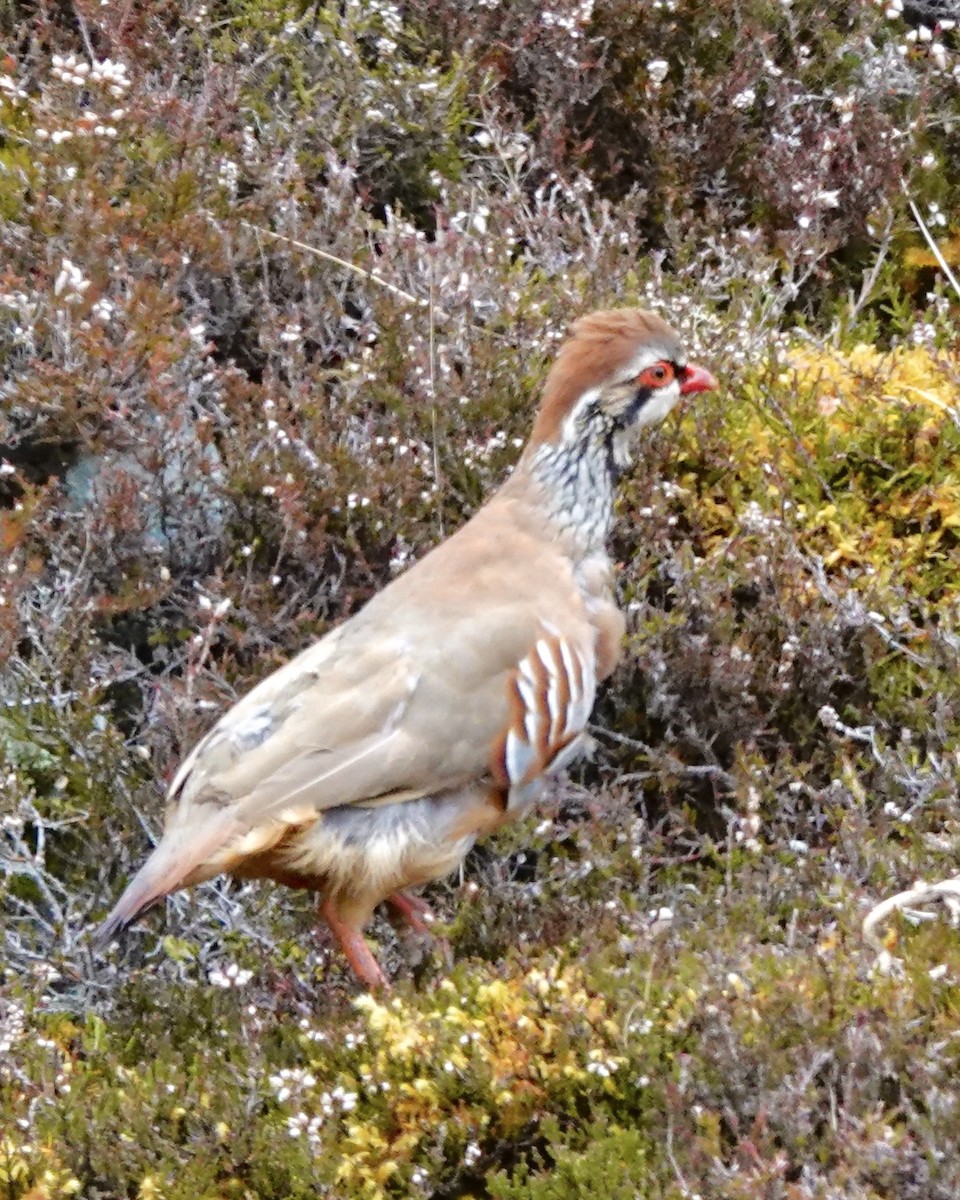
(278, 285)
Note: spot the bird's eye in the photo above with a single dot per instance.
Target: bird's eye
(657, 376)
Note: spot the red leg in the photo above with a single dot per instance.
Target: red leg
(354, 946)
(416, 912)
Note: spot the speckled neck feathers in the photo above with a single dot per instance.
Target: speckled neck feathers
(576, 480)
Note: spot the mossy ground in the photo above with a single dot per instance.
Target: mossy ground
(215, 443)
(747, 1045)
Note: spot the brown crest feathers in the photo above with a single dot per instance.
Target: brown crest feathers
(598, 345)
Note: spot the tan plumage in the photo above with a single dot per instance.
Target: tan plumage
(374, 759)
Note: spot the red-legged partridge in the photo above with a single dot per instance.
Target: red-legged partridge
(373, 760)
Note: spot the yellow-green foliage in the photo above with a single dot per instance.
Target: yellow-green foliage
(858, 453)
(492, 1059)
(886, 434)
(712, 1048)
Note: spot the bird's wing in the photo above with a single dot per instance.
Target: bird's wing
(326, 729)
(373, 731)
(386, 726)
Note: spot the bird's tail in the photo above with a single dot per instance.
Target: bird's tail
(174, 863)
(144, 890)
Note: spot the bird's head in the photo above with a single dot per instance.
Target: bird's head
(616, 372)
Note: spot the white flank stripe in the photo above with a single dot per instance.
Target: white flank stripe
(529, 697)
(584, 702)
(567, 652)
(545, 655)
(553, 700)
(516, 758)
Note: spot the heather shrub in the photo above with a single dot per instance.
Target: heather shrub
(792, 127)
(278, 286)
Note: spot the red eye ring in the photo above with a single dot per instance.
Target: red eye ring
(657, 376)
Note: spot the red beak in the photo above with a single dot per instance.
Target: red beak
(696, 379)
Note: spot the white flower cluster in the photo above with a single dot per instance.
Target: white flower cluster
(113, 75)
(103, 310)
(828, 717)
(106, 73)
(219, 609)
(661, 919)
(657, 69)
(935, 217)
(291, 1084)
(388, 12)
(89, 124)
(401, 556)
(70, 70)
(482, 451)
(599, 1064)
(302, 1125)
(571, 22)
(227, 175)
(58, 135)
(26, 309)
(12, 1026)
(231, 976)
(744, 100)
(70, 283)
(291, 1080)
(11, 89)
(816, 199)
(748, 825)
(923, 36)
(754, 520)
(286, 440)
(845, 106)
(789, 649)
(471, 222)
(311, 1033)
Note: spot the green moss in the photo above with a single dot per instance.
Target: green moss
(684, 1055)
(17, 174)
(612, 1163)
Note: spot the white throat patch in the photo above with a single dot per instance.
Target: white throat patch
(660, 403)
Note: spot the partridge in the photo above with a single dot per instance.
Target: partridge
(373, 760)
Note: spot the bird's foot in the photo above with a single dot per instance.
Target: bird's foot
(355, 948)
(416, 912)
(420, 919)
